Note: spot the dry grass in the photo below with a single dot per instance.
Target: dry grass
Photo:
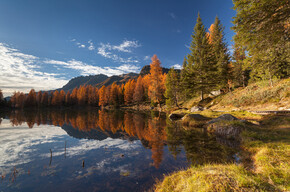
(270, 149)
(256, 96)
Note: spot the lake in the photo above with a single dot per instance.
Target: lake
(94, 150)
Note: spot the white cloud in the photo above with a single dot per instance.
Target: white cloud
(86, 69)
(177, 66)
(107, 50)
(91, 46)
(126, 45)
(21, 72)
(82, 46)
(146, 58)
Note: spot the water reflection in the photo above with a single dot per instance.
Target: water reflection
(103, 150)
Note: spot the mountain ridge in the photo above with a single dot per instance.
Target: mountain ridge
(104, 80)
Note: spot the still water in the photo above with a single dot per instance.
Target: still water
(91, 150)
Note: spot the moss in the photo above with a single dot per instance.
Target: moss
(194, 120)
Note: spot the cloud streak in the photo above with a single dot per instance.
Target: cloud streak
(109, 51)
(21, 72)
(86, 69)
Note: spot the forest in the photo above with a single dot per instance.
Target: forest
(260, 52)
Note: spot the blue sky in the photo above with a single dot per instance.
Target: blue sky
(43, 44)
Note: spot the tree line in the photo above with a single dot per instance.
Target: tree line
(150, 87)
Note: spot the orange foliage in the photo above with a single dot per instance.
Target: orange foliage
(129, 91)
(157, 86)
(139, 91)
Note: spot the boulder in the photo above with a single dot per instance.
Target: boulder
(226, 125)
(196, 108)
(195, 120)
(176, 116)
(224, 117)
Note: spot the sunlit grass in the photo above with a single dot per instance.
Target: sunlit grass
(269, 149)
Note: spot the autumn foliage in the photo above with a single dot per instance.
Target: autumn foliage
(150, 87)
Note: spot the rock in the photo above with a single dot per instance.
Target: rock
(176, 116)
(226, 125)
(195, 120)
(228, 129)
(196, 108)
(216, 93)
(224, 117)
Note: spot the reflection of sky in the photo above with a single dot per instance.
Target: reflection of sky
(21, 144)
(28, 150)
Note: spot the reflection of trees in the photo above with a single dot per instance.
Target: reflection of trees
(200, 146)
(150, 129)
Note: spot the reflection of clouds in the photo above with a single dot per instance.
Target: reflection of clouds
(21, 144)
(85, 145)
(18, 144)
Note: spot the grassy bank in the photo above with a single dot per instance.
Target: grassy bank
(256, 96)
(268, 147)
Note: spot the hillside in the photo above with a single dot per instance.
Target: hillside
(258, 96)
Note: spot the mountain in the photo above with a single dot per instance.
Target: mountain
(84, 80)
(146, 70)
(100, 80)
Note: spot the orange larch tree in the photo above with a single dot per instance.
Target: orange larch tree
(156, 88)
(74, 96)
(139, 91)
(129, 91)
(102, 95)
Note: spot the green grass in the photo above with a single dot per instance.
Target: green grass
(269, 149)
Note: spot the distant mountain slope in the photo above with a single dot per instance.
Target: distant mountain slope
(84, 80)
(100, 80)
(146, 70)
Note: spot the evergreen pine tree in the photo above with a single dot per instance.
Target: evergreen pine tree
(220, 54)
(200, 72)
(172, 85)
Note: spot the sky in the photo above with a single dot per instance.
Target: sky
(43, 44)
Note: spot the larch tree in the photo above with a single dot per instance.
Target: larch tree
(44, 99)
(146, 83)
(56, 98)
(139, 91)
(156, 88)
(68, 99)
(31, 99)
(62, 97)
(74, 96)
(102, 96)
(114, 99)
(38, 98)
(129, 91)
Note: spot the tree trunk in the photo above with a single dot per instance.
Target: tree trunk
(243, 76)
(201, 95)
